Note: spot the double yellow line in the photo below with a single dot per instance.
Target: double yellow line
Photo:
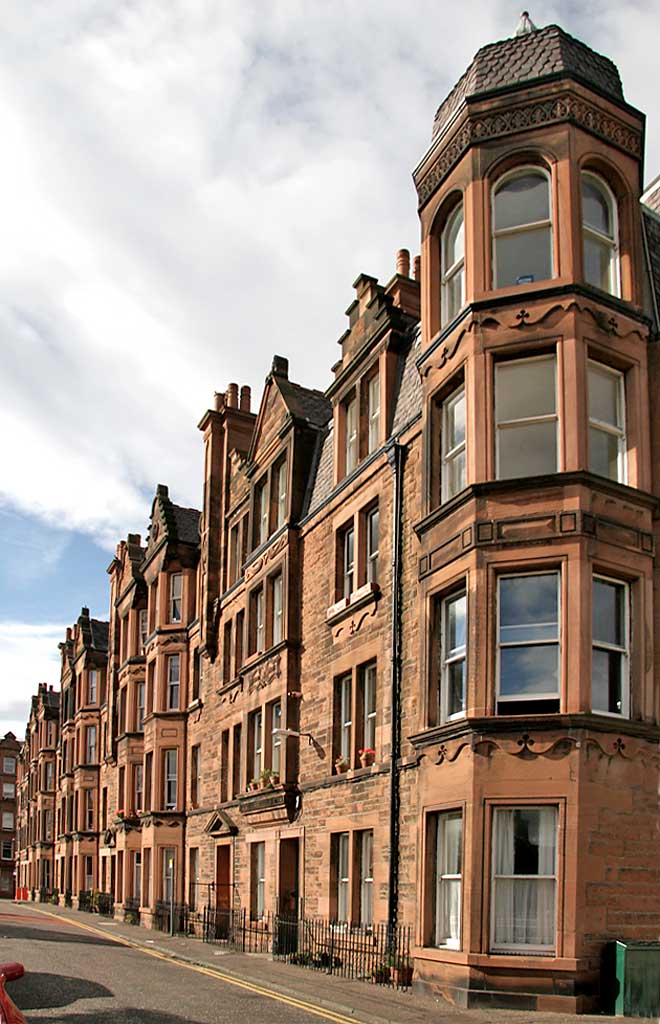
(212, 972)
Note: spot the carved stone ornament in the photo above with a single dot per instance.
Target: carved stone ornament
(264, 674)
(532, 115)
(349, 627)
(268, 556)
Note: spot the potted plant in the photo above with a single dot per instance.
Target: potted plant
(269, 778)
(401, 971)
(253, 785)
(341, 764)
(367, 756)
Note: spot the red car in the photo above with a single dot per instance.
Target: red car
(9, 1013)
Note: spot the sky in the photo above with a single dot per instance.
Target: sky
(189, 187)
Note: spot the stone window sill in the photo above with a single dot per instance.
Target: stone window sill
(365, 595)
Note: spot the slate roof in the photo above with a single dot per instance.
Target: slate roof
(522, 59)
(651, 228)
(187, 524)
(99, 634)
(305, 403)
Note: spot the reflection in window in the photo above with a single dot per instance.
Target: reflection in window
(599, 231)
(351, 452)
(366, 841)
(452, 246)
(343, 879)
(524, 878)
(609, 659)
(607, 442)
(528, 643)
(348, 560)
(373, 413)
(372, 546)
(526, 417)
(522, 229)
(453, 444)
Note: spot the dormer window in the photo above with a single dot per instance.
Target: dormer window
(176, 592)
(452, 249)
(522, 228)
(351, 452)
(599, 235)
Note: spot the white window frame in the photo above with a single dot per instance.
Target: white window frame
(450, 455)
(613, 242)
(372, 550)
(373, 413)
(89, 809)
(348, 560)
(451, 657)
(260, 621)
(170, 780)
(9, 765)
(262, 510)
(138, 786)
(8, 791)
(173, 682)
(140, 706)
(366, 855)
(520, 172)
(257, 742)
(346, 717)
(369, 681)
(90, 744)
(607, 428)
(278, 610)
(92, 686)
(168, 864)
(143, 627)
(280, 492)
(343, 877)
(259, 879)
(276, 737)
(7, 820)
(448, 273)
(543, 950)
(176, 597)
(137, 875)
(442, 879)
(622, 651)
(351, 440)
(527, 420)
(530, 643)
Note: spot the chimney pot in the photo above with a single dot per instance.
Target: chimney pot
(232, 396)
(219, 401)
(417, 268)
(280, 367)
(245, 398)
(403, 262)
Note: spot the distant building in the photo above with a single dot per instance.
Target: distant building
(402, 666)
(9, 750)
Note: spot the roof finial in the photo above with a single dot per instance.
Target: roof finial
(525, 26)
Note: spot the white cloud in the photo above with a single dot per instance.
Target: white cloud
(191, 186)
(28, 656)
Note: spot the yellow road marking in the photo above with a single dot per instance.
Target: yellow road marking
(212, 972)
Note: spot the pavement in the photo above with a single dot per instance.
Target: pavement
(340, 999)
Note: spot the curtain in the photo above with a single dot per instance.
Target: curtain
(524, 907)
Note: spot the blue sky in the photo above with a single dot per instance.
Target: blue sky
(190, 187)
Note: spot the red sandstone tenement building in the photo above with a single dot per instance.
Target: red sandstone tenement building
(9, 751)
(401, 666)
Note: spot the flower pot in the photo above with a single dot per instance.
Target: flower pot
(366, 760)
(341, 767)
(402, 976)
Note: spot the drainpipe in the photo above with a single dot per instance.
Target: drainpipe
(395, 457)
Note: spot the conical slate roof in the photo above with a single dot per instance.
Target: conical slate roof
(545, 53)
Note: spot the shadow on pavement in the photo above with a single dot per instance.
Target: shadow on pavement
(37, 991)
(123, 1015)
(12, 930)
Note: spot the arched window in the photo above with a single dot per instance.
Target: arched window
(522, 228)
(599, 234)
(452, 246)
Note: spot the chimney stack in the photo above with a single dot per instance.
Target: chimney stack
(403, 263)
(245, 398)
(280, 367)
(219, 401)
(231, 397)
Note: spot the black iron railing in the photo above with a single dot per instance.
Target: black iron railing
(369, 953)
(46, 895)
(106, 904)
(85, 901)
(178, 918)
(237, 930)
(68, 898)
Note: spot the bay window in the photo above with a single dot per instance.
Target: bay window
(528, 643)
(176, 591)
(450, 614)
(607, 439)
(279, 495)
(277, 597)
(351, 438)
(372, 545)
(373, 413)
(599, 234)
(524, 879)
(258, 881)
(522, 228)
(452, 261)
(366, 854)
(348, 561)
(526, 417)
(170, 779)
(173, 680)
(343, 895)
(610, 690)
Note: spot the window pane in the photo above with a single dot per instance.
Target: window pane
(456, 616)
(523, 257)
(525, 388)
(522, 200)
(455, 421)
(596, 210)
(527, 450)
(597, 257)
(604, 453)
(529, 608)
(456, 687)
(606, 681)
(453, 296)
(525, 912)
(454, 244)
(604, 396)
(608, 612)
(452, 855)
(528, 671)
